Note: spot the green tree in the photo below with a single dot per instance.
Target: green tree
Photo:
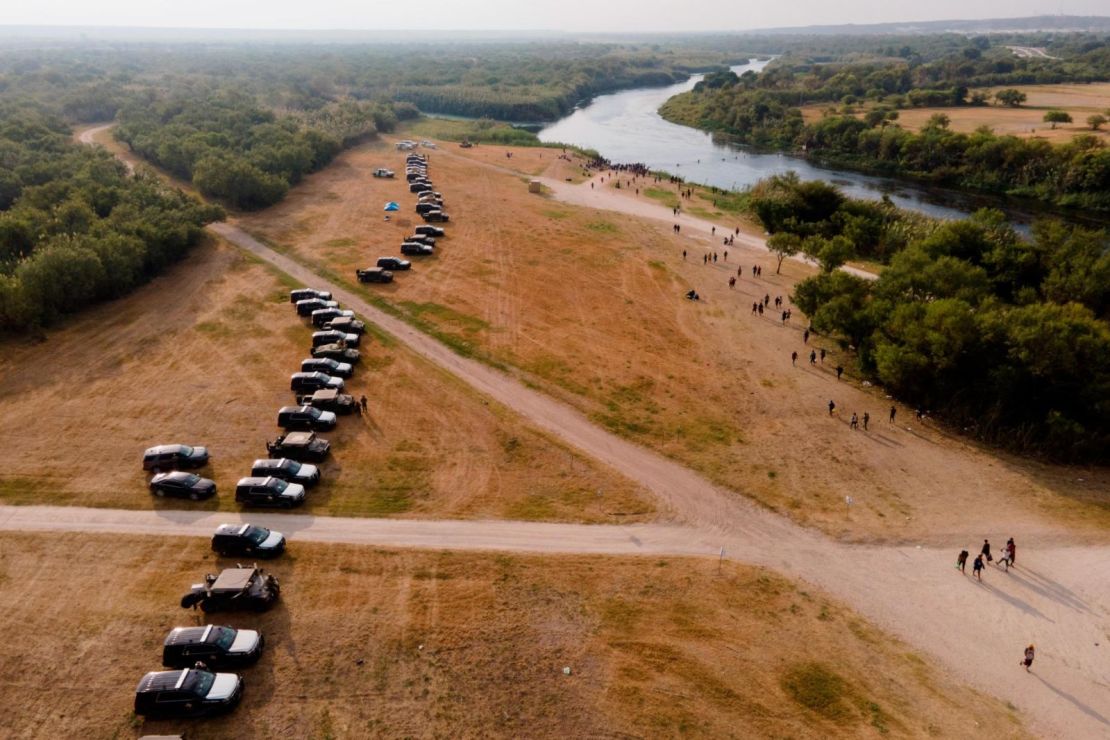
(1096, 121)
(1010, 97)
(1057, 116)
(783, 245)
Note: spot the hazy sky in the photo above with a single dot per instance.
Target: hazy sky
(568, 15)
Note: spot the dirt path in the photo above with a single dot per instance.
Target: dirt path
(1058, 599)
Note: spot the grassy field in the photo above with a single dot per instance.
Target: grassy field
(588, 304)
(1027, 121)
(411, 644)
(203, 354)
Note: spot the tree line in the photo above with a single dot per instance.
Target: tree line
(75, 228)
(1004, 337)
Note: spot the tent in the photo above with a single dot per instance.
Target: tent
(392, 206)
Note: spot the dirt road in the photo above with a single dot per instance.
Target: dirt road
(1059, 598)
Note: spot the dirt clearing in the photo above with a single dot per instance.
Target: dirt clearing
(373, 642)
(588, 304)
(203, 355)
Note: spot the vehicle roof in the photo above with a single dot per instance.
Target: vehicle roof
(302, 407)
(159, 449)
(233, 528)
(256, 480)
(328, 394)
(173, 475)
(161, 681)
(233, 579)
(298, 438)
(188, 635)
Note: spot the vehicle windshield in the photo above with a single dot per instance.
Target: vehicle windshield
(279, 485)
(257, 535)
(222, 637)
(291, 466)
(186, 450)
(199, 682)
(190, 479)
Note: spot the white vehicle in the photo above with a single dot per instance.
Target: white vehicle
(427, 144)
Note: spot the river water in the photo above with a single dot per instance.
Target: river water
(626, 128)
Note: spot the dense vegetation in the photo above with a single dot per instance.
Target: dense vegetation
(1004, 337)
(762, 110)
(231, 149)
(74, 227)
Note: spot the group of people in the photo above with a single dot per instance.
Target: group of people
(1009, 554)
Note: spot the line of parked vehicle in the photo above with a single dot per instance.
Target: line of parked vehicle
(194, 687)
(422, 242)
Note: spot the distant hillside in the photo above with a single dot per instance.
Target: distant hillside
(1087, 23)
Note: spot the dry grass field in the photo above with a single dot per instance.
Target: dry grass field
(202, 355)
(588, 303)
(1025, 122)
(374, 643)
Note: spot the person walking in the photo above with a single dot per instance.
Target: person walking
(812, 357)
(977, 567)
(683, 255)
(362, 403)
(760, 309)
(794, 359)
(755, 308)
(1007, 558)
(893, 413)
(731, 282)
(805, 337)
(832, 407)
(986, 551)
(1030, 653)
(854, 423)
(866, 420)
(961, 561)
(839, 371)
(822, 355)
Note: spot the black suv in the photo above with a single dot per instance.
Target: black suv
(332, 336)
(394, 263)
(417, 249)
(247, 539)
(430, 230)
(299, 446)
(306, 307)
(336, 352)
(327, 366)
(174, 457)
(322, 316)
(234, 588)
(306, 418)
(187, 693)
(218, 647)
(183, 485)
(374, 275)
(329, 400)
(269, 492)
(288, 470)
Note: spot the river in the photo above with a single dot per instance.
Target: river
(626, 127)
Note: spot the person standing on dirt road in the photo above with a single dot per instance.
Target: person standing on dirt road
(1030, 653)
(832, 407)
(977, 567)
(812, 357)
(362, 403)
(794, 359)
(893, 413)
(866, 420)
(961, 560)
(683, 255)
(854, 423)
(839, 371)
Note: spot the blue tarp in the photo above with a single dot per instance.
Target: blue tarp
(391, 206)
